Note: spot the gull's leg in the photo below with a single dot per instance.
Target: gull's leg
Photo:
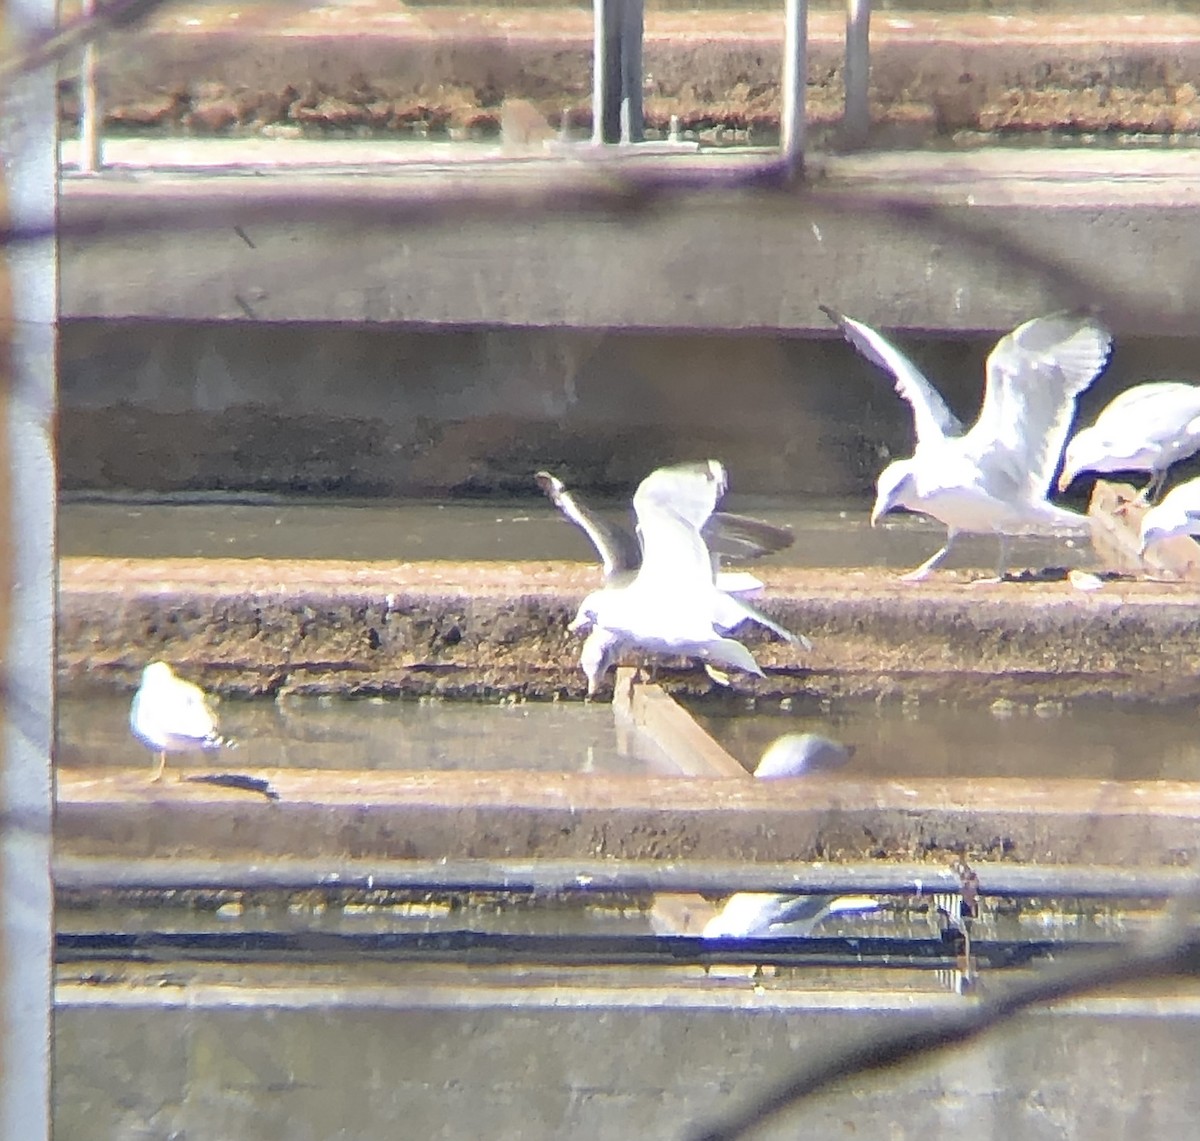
(1001, 565)
(1154, 487)
(932, 563)
(158, 769)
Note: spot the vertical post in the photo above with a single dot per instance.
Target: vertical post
(599, 68)
(91, 159)
(617, 28)
(606, 71)
(856, 121)
(633, 24)
(28, 307)
(795, 74)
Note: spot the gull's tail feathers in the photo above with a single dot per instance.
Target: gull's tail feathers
(728, 652)
(732, 612)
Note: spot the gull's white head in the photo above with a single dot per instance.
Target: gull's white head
(157, 673)
(1085, 450)
(896, 487)
(600, 650)
(588, 612)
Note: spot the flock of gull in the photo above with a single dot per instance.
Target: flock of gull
(665, 591)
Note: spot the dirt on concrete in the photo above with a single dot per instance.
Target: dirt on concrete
(380, 69)
(492, 629)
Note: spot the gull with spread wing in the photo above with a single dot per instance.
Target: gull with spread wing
(663, 593)
(1145, 428)
(993, 478)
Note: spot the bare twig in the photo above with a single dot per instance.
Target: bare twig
(54, 45)
(1171, 950)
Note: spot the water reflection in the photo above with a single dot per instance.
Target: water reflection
(369, 733)
(932, 738)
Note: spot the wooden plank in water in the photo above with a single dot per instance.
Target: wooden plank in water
(1116, 513)
(649, 710)
(516, 815)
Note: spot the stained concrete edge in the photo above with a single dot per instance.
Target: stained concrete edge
(490, 629)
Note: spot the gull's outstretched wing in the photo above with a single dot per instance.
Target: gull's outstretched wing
(618, 549)
(741, 537)
(932, 418)
(672, 504)
(1034, 375)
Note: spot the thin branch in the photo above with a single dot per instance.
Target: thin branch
(54, 45)
(1170, 951)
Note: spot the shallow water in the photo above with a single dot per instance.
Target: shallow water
(932, 738)
(892, 739)
(368, 733)
(828, 534)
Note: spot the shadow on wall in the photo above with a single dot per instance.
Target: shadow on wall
(314, 409)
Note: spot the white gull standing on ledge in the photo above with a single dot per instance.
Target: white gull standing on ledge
(667, 597)
(1146, 428)
(994, 478)
(170, 715)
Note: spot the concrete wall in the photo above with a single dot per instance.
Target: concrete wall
(214, 1063)
(390, 410)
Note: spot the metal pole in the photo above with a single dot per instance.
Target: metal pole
(856, 122)
(599, 61)
(606, 71)
(91, 159)
(795, 71)
(633, 23)
(28, 310)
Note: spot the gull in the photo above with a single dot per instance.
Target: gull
(755, 915)
(170, 715)
(796, 753)
(1146, 428)
(726, 535)
(1178, 514)
(666, 596)
(993, 478)
(759, 915)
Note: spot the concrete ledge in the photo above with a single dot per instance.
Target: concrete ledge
(559, 816)
(282, 1058)
(972, 242)
(258, 626)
